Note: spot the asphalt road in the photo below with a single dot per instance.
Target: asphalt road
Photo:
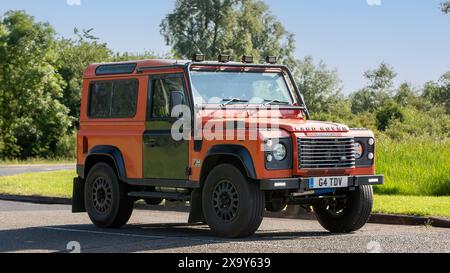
(52, 228)
(6, 170)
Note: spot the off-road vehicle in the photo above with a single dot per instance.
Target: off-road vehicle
(232, 139)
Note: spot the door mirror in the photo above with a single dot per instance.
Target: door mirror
(176, 99)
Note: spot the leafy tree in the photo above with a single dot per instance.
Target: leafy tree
(405, 95)
(32, 118)
(127, 56)
(391, 111)
(445, 7)
(378, 90)
(439, 93)
(236, 27)
(320, 86)
(74, 55)
(381, 79)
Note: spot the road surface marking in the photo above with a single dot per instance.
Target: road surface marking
(163, 237)
(105, 233)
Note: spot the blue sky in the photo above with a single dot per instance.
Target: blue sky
(348, 35)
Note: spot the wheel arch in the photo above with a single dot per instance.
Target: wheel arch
(236, 155)
(107, 154)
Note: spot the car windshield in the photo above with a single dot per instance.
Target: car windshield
(226, 88)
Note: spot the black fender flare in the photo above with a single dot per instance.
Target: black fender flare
(114, 154)
(237, 151)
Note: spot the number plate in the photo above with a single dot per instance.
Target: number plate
(328, 182)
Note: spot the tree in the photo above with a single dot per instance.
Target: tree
(379, 89)
(445, 7)
(236, 27)
(439, 93)
(74, 55)
(390, 112)
(32, 118)
(320, 86)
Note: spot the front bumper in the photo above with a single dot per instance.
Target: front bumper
(301, 184)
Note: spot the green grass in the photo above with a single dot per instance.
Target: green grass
(59, 184)
(415, 166)
(413, 205)
(51, 184)
(37, 161)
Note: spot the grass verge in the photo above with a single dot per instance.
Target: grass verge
(416, 166)
(413, 205)
(38, 161)
(51, 184)
(59, 184)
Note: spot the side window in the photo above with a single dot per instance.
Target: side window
(164, 92)
(113, 99)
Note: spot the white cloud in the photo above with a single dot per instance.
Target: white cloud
(374, 2)
(73, 2)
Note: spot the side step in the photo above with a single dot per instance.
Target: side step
(164, 195)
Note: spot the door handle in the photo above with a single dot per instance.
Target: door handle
(150, 142)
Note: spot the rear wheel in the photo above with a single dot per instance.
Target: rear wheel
(348, 214)
(106, 198)
(233, 205)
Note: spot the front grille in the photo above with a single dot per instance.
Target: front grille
(324, 153)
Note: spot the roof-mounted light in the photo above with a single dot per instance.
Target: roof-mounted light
(247, 59)
(198, 58)
(271, 59)
(224, 58)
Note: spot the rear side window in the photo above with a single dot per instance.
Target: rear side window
(113, 99)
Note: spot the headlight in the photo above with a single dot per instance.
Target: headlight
(279, 152)
(359, 150)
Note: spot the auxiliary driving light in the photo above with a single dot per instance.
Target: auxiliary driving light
(271, 59)
(224, 58)
(247, 59)
(198, 58)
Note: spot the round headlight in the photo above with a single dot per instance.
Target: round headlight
(359, 151)
(279, 152)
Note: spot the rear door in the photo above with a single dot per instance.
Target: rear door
(164, 157)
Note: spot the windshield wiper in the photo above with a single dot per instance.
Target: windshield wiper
(232, 100)
(269, 102)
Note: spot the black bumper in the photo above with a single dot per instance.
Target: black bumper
(302, 183)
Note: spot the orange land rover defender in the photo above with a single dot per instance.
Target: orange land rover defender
(232, 138)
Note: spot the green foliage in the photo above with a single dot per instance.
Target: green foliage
(67, 146)
(320, 86)
(445, 7)
(389, 113)
(33, 118)
(73, 58)
(211, 27)
(378, 89)
(434, 124)
(439, 93)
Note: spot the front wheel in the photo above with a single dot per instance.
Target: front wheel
(233, 205)
(347, 214)
(106, 198)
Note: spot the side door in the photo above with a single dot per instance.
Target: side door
(164, 158)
